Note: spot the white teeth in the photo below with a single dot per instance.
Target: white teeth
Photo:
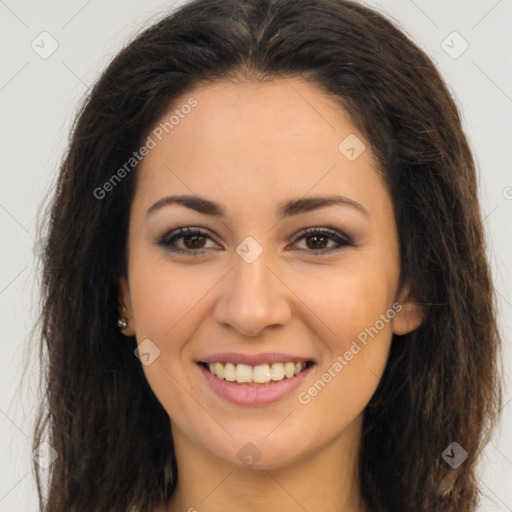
(277, 371)
(219, 370)
(243, 373)
(289, 370)
(260, 374)
(229, 372)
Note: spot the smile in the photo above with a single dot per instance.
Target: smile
(254, 380)
(256, 375)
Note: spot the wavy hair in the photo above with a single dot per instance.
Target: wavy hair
(441, 383)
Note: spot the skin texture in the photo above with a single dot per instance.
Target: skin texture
(249, 147)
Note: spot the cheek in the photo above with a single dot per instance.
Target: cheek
(356, 310)
(165, 297)
(166, 302)
(351, 300)
(355, 359)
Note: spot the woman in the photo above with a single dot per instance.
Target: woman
(265, 281)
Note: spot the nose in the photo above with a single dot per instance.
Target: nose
(253, 297)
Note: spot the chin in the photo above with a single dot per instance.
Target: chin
(258, 453)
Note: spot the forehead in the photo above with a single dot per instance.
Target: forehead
(281, 137)
(282, 110)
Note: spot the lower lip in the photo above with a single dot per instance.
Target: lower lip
(254, 395)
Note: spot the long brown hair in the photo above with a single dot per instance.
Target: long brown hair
(441, 383)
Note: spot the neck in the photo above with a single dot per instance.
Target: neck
(325, 481)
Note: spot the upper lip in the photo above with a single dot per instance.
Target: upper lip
(253, 359)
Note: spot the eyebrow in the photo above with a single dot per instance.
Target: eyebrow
(286, 209)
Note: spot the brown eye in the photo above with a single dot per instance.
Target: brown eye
(193, 241)
(317, 239)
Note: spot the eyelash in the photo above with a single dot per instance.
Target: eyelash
(341, 240)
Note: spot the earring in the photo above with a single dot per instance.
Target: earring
(122, 323)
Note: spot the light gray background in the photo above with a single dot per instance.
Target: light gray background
(39, 96)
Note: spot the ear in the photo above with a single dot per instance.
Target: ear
(125, 307)
(409, 316)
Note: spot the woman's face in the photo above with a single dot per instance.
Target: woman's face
(257, 163)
